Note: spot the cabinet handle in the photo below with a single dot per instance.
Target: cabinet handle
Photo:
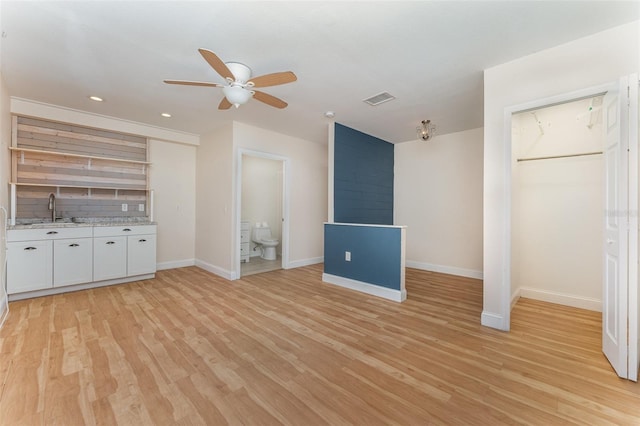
(111, 242)
(74, 245)
(52, 232)
(31, 248)
(142, 241)
(126, 230)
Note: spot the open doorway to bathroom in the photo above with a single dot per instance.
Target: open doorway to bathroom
(262, 217)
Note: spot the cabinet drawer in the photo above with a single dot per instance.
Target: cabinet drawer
(48, 233)
(244, 249)
(245, 226)
(244, 237)
(107, 231)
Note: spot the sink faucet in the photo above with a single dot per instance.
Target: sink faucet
(52, 206)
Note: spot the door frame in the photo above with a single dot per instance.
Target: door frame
(286, 173)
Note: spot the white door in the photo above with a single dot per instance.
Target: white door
(614, 301)
(634, 208)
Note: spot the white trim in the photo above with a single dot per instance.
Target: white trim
(505, 290)
(5, 308)
(175, 264)
(286, 197)
(330, 170)
(374, 290)
(43, 110)
(85, 286)
(443, 269)
(305, 262)
(221, 272)
(371, 225)
(581, 302)
(515, 298)
(493, 320)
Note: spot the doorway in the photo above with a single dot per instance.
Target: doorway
(261, 212)
(620, 300)
(557, 192)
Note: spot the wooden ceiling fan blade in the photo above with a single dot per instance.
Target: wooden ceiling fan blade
(216, 63)
(193, 83)
(269, 99)
(274, 79)
(224, 104)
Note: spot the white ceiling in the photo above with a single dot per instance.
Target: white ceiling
(430, 55)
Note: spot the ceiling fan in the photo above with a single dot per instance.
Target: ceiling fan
(239, 84)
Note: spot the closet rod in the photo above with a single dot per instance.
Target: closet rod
(559, 156)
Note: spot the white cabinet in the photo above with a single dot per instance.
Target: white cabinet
(46, 258)
(141, 254)
(245, 241)
(41, 258)
(72, 261)
(109, 258)
(124, 251)
(29, 266)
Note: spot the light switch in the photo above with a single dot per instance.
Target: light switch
(347, 256)
(125, 207)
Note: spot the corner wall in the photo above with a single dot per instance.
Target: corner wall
(438, 196)
(577, 65)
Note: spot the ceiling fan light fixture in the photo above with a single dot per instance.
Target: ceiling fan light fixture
(237, 95)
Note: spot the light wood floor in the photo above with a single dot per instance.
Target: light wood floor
(284, 348)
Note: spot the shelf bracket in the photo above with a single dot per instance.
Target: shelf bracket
(144, 169)
(21, 157)
(89, 164)
(116, 194)
(89, 192)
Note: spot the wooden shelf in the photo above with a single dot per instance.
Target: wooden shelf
(52, 185)
(64, 154)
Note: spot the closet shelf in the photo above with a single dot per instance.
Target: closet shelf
(65, 154)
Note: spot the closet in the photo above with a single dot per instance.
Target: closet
(557, 204)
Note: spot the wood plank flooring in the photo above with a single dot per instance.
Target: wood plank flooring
(283, 348)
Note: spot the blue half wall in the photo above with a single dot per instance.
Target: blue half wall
(376, 254)
(363, 178)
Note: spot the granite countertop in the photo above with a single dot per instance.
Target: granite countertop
(80, 222)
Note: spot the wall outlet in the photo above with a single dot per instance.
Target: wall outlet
(125, 207)
(347, 256)
(140, 207)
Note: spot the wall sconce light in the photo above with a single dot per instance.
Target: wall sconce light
(425, 130)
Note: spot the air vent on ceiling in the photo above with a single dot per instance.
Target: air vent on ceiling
(379, 99)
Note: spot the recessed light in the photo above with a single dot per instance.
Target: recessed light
(166, 115)
(96, 98)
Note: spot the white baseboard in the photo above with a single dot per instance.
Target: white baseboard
(588, 303)
(305, 262)
(514, 298)
(493, 320)
(374, 290)
(4, 308)
(84, 286)
(229, 275)
(452, 270)
(175, 264)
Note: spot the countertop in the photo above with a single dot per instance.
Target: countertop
(80, 222)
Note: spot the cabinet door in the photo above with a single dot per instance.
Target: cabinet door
(141, 254)
(72, 261)
(29, 266)
(109, 258)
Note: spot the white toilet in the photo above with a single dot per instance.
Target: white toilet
(261, 235)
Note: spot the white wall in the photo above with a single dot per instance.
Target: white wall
(262, 195)
(5, 176)
(214, 202)
(172, 176)
(438, 196)
(583, 63)
(308, 187)
(557, 210)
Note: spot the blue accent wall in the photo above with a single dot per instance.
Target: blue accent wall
(375, 254)
(363, 178)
